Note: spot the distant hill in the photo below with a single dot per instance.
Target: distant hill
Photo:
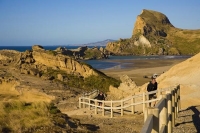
(99, 43)
(153, 34)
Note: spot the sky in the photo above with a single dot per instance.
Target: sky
(72, 22)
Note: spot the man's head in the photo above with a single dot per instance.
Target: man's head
(153, 79)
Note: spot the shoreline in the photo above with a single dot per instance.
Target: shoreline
(141, 68)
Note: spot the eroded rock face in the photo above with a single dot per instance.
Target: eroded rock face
(62, 62)
(39, 60)
(148, 21)
(127, 87)
(142, 41)
(152, 32)
(127, 83)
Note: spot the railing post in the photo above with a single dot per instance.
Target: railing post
(169, 108)
(175, 102)
(103, 110)
(89, 104)
(111, 109)
(173, 108)
(163, 114)
(144, 99)
(147, 96)
(122, 107)
(83, 102)
(133, 106)
(146, 113)
(155, 112)
(179, 98)
(95, 110)
(79, 102)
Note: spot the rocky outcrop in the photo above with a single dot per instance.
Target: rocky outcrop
(126, 88)
(84, 53)
(57, 67)
(153, 34)
(59, 62)
(151, 22)
(142, 41)
(39, 60)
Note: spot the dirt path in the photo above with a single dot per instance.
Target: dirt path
(188, 121)
(122, 124)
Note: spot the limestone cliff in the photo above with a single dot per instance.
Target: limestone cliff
(54, 65)
(62, 62)
(151, 22)
(154, 34)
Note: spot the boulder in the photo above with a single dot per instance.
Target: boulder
(60, 77)
(34, 72)
(127, 83)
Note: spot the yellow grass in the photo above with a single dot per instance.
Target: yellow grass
(25, 109)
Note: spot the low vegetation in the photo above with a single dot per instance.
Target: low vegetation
(27, 112)
(101, 82)
(92, 54)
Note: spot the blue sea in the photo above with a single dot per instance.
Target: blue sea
(24, 48)
(115, 62)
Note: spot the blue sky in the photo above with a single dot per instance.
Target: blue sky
(63, 22)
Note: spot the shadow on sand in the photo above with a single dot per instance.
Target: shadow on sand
(195, 117)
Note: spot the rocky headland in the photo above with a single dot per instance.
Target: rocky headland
(153, 34)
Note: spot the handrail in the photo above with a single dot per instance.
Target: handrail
(89, 93)
(160, 118)
(164, 113)
(121, 104)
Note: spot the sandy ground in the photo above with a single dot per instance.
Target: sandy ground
(137, 69)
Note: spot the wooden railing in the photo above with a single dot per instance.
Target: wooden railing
(127, 105)
(161, 118)
(91, 94)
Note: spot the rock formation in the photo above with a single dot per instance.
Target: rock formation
(126, 88)
(53, 65)
(84, 53)
(153, 34)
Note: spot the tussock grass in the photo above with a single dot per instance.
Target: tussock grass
(18, 115)
(24, 111)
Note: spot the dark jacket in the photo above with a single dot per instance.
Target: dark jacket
(100, 97)
(152, 87)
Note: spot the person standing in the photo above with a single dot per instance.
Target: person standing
(100, 97)
(152, 86)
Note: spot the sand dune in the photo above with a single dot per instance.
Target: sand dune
(187, 74)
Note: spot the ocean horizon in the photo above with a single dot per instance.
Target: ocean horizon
(51, 47)
(114, 62)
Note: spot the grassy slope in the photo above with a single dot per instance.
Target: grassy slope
(19, 112)
(186, 41)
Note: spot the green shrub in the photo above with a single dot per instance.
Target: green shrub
(51, 52)
(53, 109)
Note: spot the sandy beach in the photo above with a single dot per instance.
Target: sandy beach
(137, 69)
